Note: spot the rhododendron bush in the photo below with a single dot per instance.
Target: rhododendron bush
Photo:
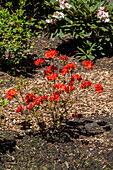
(56, 94)
(89, 22)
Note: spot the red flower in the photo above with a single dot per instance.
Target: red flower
(88, 64)
(50, 70)
(63, 57)
(56, 96)
(25, 52)
(52, 76)
(37, 101)
(64, 71)
(86, 84)
(39, 61)
(70, 66)
(11, 93)
(72, 88)
(72, 80)
(43, 98)
(51, 98)
(51, 54)
(77, 115)
(19, 109)
(78, 77)
(70, 83)
(29, 98)
(67, 89)
(98, 87)
(59, 86)
(30, 106)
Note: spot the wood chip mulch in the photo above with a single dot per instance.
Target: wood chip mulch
(76, 144)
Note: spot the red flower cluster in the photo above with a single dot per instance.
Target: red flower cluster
(55, 96)
(63, 57)
(52, 76)
(36, 100)
(29, 98)
(59, 86)
(64, 71)
(30, 106)
(11, 93)
(70, 66)
(19, 109)
(73, 77)
(39, 61)
(51, 54)
(78, 77)
(50, 70)
(98, 87)
(88, 64)
(67, 67)
(69, 88)
(86, 84)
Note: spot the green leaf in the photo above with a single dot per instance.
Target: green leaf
(81, 50)
(103, 29)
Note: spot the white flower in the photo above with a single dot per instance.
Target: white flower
(58, 15)
(68, 5)
(102, 8)
(62, 5)
(65, 5)
(49, 20)
(61, 1)
(106, 19)
(102, 15)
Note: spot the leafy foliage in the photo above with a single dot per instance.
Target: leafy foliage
(16, 31)
(94, 35)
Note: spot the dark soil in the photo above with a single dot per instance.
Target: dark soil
(79, 144)
(85, 143)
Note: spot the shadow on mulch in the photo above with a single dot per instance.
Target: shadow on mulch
(67, 146)
(25, 68)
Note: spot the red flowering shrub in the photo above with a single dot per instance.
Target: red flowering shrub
(60, 86)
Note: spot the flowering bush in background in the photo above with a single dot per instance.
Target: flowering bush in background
(90, 23)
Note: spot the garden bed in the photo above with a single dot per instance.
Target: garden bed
(76, 144)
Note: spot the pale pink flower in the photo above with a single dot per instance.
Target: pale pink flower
(58, 15)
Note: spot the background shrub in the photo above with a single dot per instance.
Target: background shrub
(93, 35)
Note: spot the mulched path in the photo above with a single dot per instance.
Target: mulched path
(79, 144)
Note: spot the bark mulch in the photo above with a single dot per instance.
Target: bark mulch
(85, 143)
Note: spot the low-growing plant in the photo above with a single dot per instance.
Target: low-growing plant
(89, 22)
(55, 97)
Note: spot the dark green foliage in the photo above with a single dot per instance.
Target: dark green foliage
(16, 31)
(94, 35)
